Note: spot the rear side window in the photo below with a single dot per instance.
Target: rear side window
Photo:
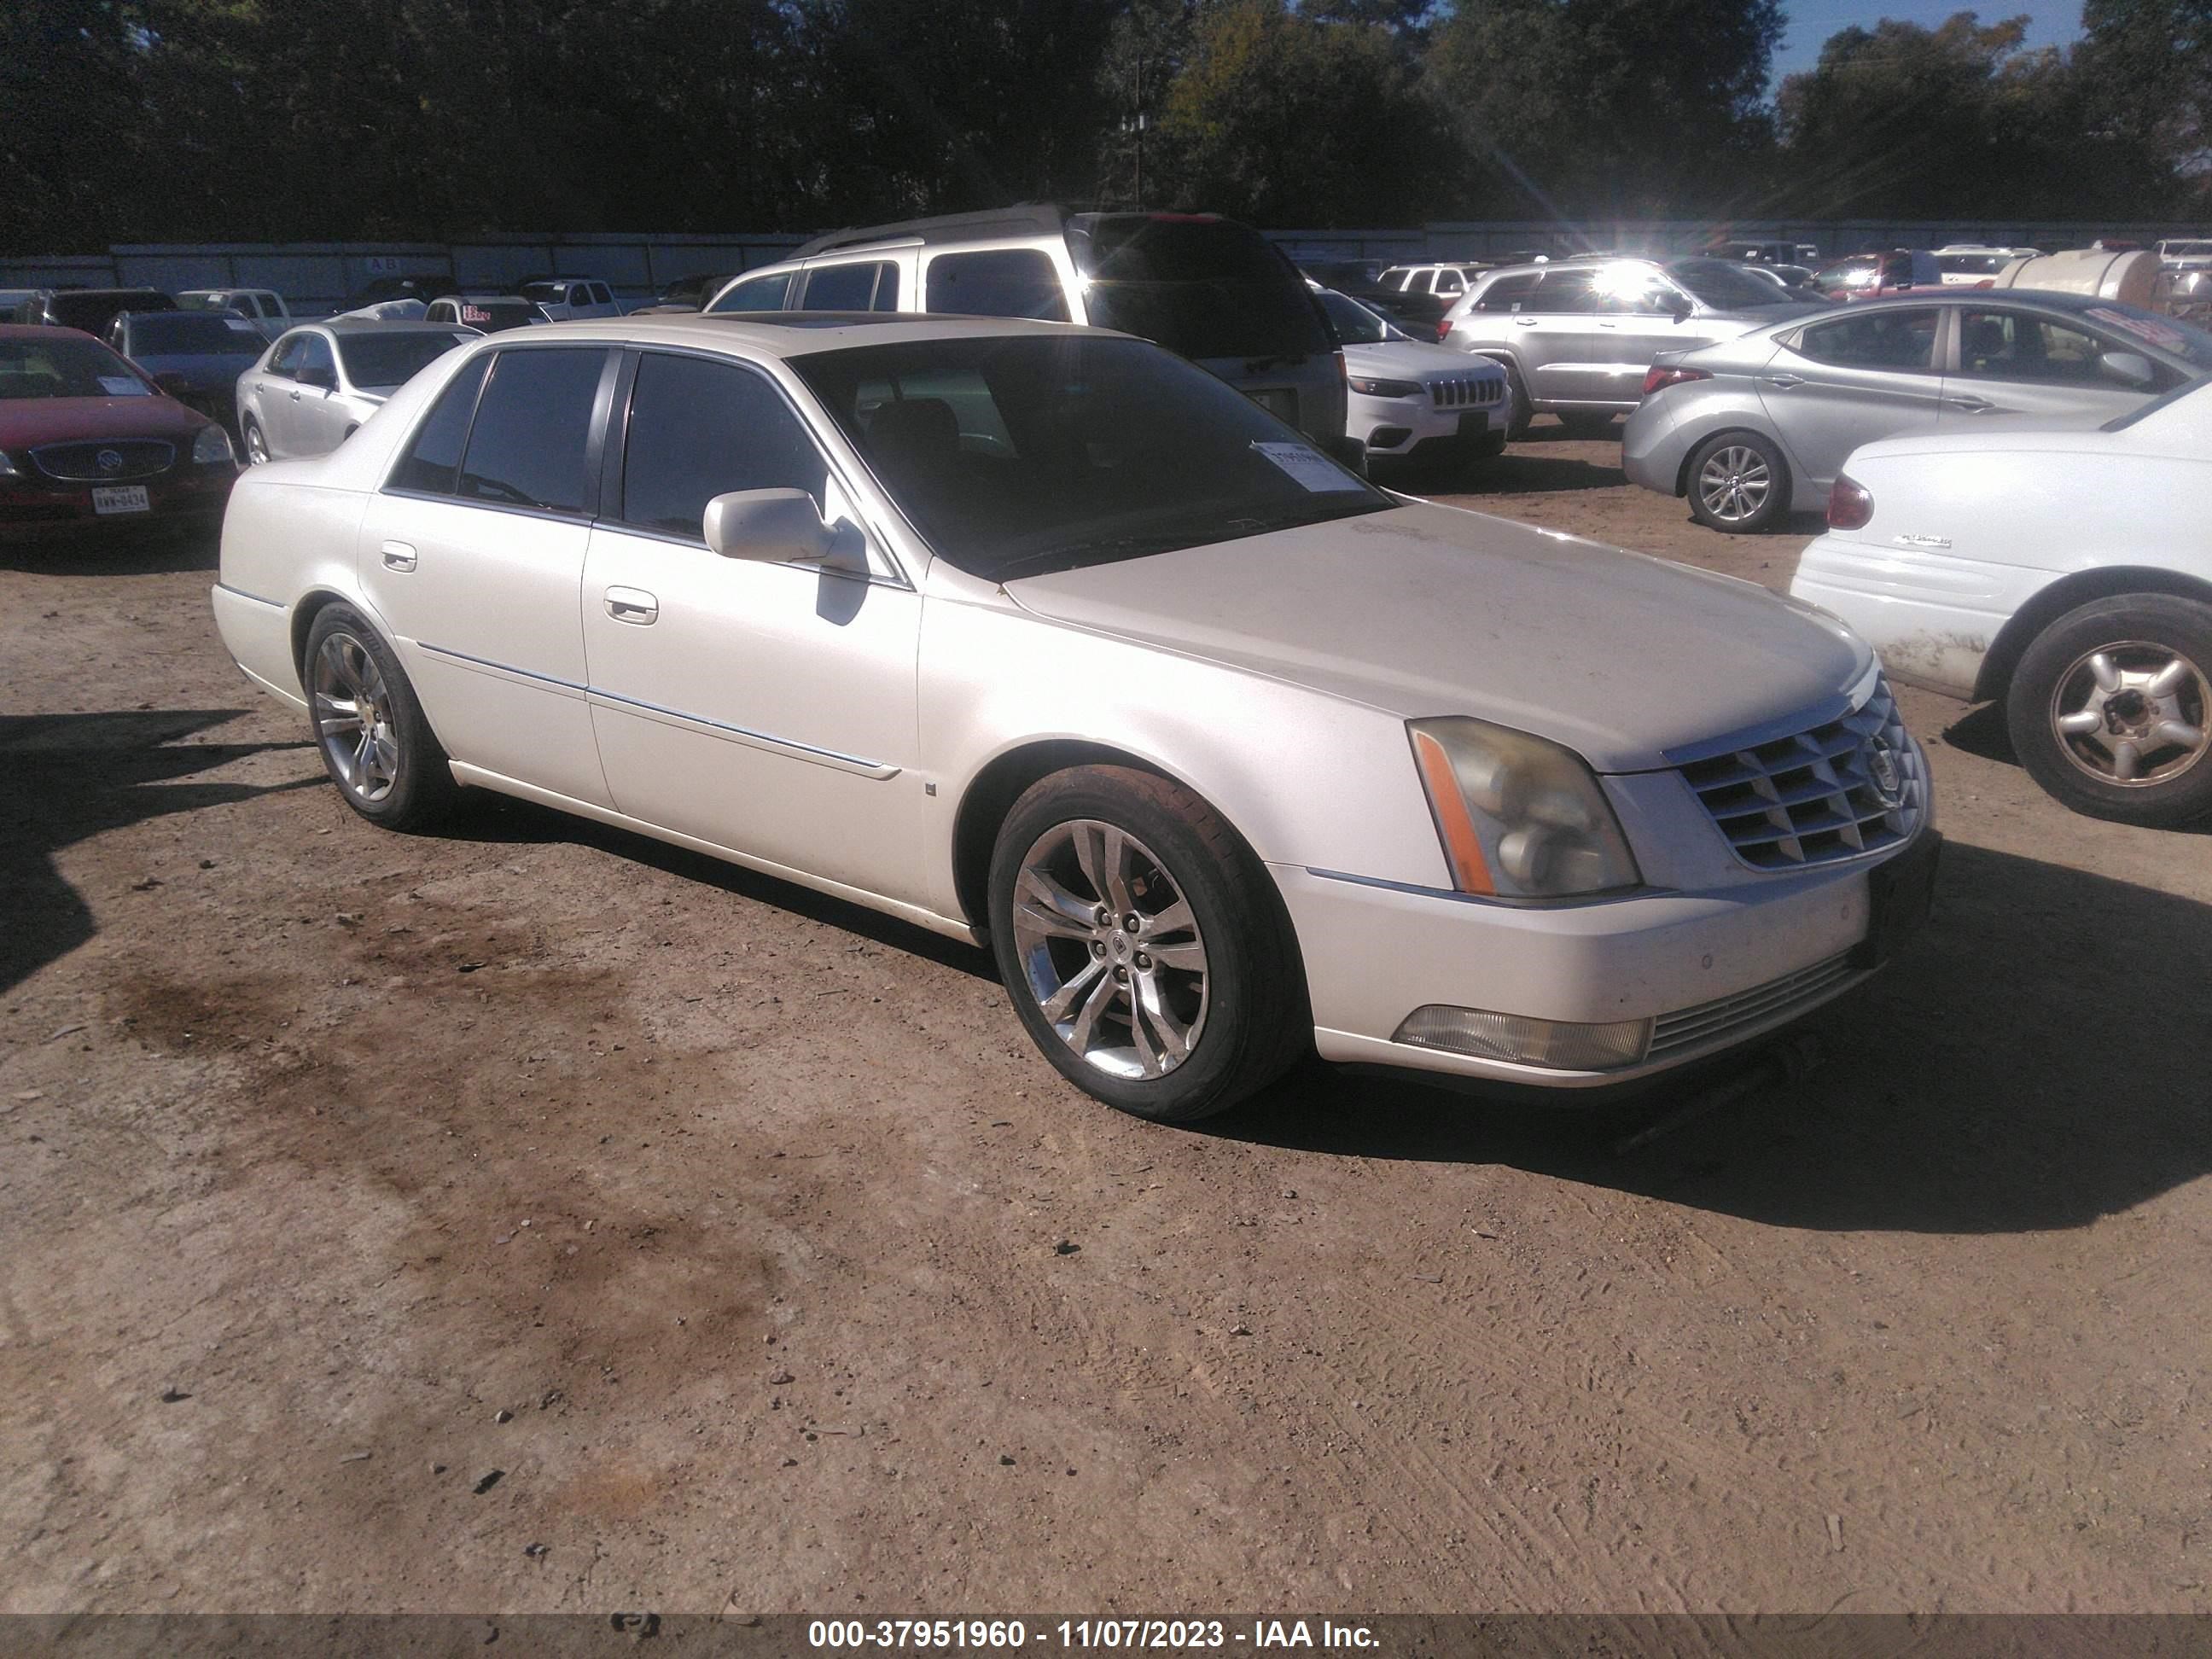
(1013, 282)
(1507, 293)
(433, 461)
(1569, 292)
(533, 424)
(1885, 336)
(852, 287)
(761, 294)
(699, 429)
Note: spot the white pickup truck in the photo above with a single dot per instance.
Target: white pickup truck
(263, 307)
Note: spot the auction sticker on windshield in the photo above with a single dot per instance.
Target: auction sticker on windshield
(1316, 472)
(122, 385)
(2146, 328)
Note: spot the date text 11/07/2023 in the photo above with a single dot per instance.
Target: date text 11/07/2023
(1169, 1635)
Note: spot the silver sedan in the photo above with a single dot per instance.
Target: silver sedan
(314, 386)
(1758, 427)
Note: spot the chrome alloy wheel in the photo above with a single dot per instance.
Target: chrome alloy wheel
(1734, 484)
(353, 718)
(1110, 949)
(2133, 713)
(256, 446)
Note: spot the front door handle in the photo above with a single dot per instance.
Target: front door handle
(1525, 322)
(295, 395)
(1782, 382)
(397, 555)
(1971, 405)
(632, 604)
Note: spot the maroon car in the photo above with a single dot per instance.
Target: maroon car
(89, 446)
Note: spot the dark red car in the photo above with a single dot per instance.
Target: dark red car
(89, 446)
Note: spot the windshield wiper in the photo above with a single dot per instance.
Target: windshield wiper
(1111, 547)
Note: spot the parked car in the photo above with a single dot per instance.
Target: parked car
(88, 309)
(562, 299)
(314, 386)
(687, 294)
(1771, 254)
(1794, 280)
(196, 357)
(2067, 575)
(1576, 336)
(1001, 626)
(1413, 401)
(262, 307)
(378, 289)
(1969, 265)
(1216, 291)
(1444, 282)
(1869, 276)
(89, 447)
(488, 314)
(1758, 427)
(2180, 252)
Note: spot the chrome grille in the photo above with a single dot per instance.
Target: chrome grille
(1816, 797)
(79, 463)
(1466, 391)
(1711, 1022)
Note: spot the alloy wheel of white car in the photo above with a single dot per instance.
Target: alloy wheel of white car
(256, 446)
(369, 727)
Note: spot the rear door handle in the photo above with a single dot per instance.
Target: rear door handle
(1782, 382)
(1971, 405)
(632, 604)
(397, 555)
(1525, 322)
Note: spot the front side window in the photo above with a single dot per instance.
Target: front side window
(533, 425)
(850, 287)
(432, 464)
(316, 364)
(1016, 454)
(1885, 336)
(759, 294)
(290, 351)
(2011, 345)
(699, 429)
(1014, 282)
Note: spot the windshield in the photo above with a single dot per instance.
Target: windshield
(93, 310)
(1725, 285)
(194, 334)
(1017, 454)
(1205, 288)
(388, 360)
(1355, 324)
(62, 367)
(2170, 334)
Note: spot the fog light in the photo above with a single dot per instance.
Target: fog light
(1560, 1044)
(1388, 437)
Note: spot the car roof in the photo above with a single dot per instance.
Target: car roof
(795, 333)
(351, 326)
(43, 332)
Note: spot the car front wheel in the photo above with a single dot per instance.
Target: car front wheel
(1739, 482)
(2111, 709)
(370, 729)
(1144, 947)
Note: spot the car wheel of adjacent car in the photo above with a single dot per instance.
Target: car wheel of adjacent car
(1739, 482)
(1586, 423)
(256, 446)
(375, 740)
(1143, 946)
(1487, 445)
(2111, 709)
(1516, 400)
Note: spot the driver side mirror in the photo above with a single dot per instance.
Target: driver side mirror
(1675, 304)
(2131, 368)
(776, 526)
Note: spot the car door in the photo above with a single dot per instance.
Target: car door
(1846, 381)
(318, 418)
(473, 555)
(766, 708)
(1555, 335)
(1639, 316)
(2014, 359)
(277, 402)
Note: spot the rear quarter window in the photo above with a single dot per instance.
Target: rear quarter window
(758, 293)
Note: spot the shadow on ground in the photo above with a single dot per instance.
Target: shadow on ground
(146, 553)
(71, 776)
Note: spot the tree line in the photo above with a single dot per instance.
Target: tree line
(280, 120)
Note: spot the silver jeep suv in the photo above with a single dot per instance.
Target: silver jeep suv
(1577, 336)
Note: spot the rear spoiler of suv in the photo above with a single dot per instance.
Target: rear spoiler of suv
(1024, 219)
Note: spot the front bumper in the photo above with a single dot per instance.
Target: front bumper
(1712, 970)
(37, 509)
(1394, 427)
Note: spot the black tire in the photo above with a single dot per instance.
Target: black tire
(251, 436)
(1487, 445)
(2138, 635)
(1516, 396)
(1720, 504)
(1245, 1015)
(393, 771)
(1586, 423)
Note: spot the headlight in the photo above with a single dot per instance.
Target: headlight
(212, 447)
(8, 469)
(1384, 388)
(1519, 817)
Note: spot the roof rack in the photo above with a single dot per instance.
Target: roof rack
(1023, 219)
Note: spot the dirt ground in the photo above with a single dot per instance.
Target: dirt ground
(537, 1218)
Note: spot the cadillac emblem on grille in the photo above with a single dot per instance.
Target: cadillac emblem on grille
(109, 460)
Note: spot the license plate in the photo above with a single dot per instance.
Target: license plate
(120, 498)
(1283, 405)
(1900, 897)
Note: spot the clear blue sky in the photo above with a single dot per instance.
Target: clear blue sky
(2055, 22)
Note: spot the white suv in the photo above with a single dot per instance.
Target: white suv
(1208, 288)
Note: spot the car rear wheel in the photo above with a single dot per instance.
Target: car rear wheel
(2111, 709)
(369, 728)
(256, 446)
(1739, 482)
(1144, 947)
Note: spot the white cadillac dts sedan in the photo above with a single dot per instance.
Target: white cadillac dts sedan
(1042, 637)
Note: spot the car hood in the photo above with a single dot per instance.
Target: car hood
(201, 370)
(27, 421)
(1411, 357)
(1425, 610)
